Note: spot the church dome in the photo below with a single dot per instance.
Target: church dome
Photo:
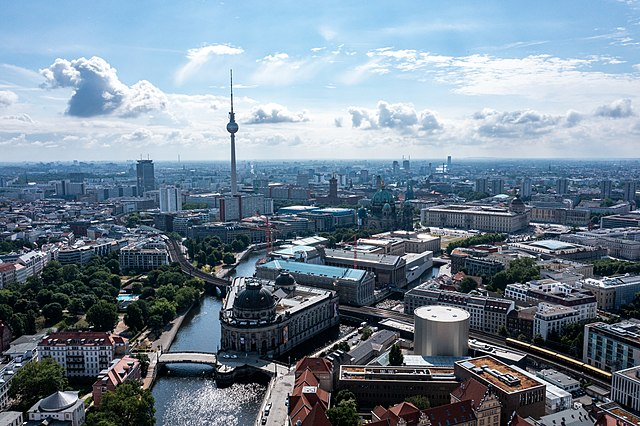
(386, 207)
(381, 197)
(517, 205)
(58, 401)
(254, 302)
(285, 280)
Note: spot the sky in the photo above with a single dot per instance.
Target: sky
(121, 80)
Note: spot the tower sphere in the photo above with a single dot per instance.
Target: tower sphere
(232, 127)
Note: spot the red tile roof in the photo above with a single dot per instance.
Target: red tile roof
(452, 414)
(470, 390)
(316, 365)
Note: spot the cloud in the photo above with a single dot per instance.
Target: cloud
(25, 118)
(274, 113)
(98, 91)
(527, 123)
(7, 98)
(403, 117)
(620, 108)
(337, 121)
(200, 56)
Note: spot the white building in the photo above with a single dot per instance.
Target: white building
(82, 353)
(482, 218)
(625, 388)
(556, 399)
(146, 254)
(612, 347)
(61, 406)
(552, 318)
(613, 292)
(560, 380)
(170, 199)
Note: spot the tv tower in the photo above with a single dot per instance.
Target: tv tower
(232, 127)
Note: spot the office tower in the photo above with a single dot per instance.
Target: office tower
(481, 185)
(605, 188)
(449, 163)
(497, 186)
(146, 177)
(629, 191)
(406, 165)
(170, 199)
(525, 190)
(302, 180)
(333, 188)
(562, 186)
(396, 167)
(232, 128)
(364, 176)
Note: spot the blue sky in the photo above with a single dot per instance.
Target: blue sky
(116, 80)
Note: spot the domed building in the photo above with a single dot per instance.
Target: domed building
(517, 205)
(383, 210)
(273, 317)
(64, 407)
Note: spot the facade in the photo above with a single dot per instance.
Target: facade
(613, 292)
(481, 218)
(516, 392)
(474, 262)
(612, 347)
(389, 270)
(629, 220)
(625, 388)
(551, 318)
(272, 319)
(119, 371)
(621, 243)
(82, 353)
(560, 380)
(146, 180)
(567, 250)
(560, 215)
(170, 199)
(7, 274)
(144, 255)
(441, 331)
(386, 385)
(60, 406)
(354, 286)
(487, 314)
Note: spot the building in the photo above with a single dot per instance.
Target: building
(560, 380)
(146, 180)
(11, 418)
(613, 292)
(354, 286)
(556, 399)
(562, 186)
(61, 406)
(516, 392)
(563, 249)
(386, 385)
(170, 199)
(481, 218)
(621, 243)
(7, 274)
(144, 255)
(273, 318)
(629, 220)
(525, 188)
(474, 262)
(389, 270)
(119, 371)
(629, 191)
(605, 189)
(612, 347)
(550, 318)
(487, 314)
(497, 186)
(311, 395)
(625, 388)
(82, 353)
(560, 215)
(441, 331)
(7, 373)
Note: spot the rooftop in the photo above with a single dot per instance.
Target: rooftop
(500, 375)
(317, 270)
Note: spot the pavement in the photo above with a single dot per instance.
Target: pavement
(276, 401)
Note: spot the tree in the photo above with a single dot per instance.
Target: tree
(52, 312)
(366, 333)
(468, 284)
(144, 363)
(103, 316)
(164, 309)
(420, 401)
(502, 331)
(128, 403)
(395, 355)
(344, 414)
(228, 259)
(36, 380)
(344, 395)
(134, 317)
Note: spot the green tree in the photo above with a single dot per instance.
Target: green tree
(467, 284)
(134, 317)
(344, 414)
(128, 403)
(395, 355)
(228, 259)
(103, 316)
(36, 380)
(366, 333)
(344, 395)
(144, 362)
(502, 331)
(420, 401)
(163, 308)
(52, 312)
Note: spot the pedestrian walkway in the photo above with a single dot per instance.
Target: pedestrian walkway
(275, 409)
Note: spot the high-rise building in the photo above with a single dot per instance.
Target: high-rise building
(232, 128)
(406, 165)
(396, 167)
(525, 190)
(605, 188)
(146, 176)
(629, 191)
(170, 199)
(449, 163)
(497, 186)
(481, 185)
(562, 186)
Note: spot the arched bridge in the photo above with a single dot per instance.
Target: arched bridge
(176, 256)
(188, 358)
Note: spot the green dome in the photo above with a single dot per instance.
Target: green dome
(381, 197)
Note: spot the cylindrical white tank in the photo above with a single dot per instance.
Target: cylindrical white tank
(441, 331)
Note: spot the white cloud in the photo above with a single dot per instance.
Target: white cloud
(98, 91)
(620, 108)
(513, 124)
(23, 117)
(7, 98)
(399, 116)
(274, 113)
(200, 56)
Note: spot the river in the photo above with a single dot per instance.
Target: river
(186, 397)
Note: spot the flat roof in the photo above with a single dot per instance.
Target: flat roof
(317, 270)
(442, 313)
(483, 367)
(552, 245)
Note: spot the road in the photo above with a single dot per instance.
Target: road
(176, 256)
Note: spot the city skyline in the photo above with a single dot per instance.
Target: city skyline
(514, 80)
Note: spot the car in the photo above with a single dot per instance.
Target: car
(264, 421)
(226, 356)
(234, 356)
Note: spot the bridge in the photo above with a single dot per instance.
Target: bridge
(187, 358)
(175, 254)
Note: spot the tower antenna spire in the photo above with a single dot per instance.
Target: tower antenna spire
(231, 77)
(232, 128)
